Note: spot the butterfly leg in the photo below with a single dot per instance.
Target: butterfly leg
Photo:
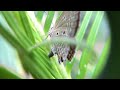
(51, 54)
(60, 59)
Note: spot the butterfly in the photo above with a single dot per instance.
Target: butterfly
(66, 26)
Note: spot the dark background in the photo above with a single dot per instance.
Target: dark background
(112, 69)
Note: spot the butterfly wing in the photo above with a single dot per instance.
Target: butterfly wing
(67, 23)
(70, 21)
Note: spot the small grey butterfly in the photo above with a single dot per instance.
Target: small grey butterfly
(65, 26)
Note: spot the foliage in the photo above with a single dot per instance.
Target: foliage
(26, 32)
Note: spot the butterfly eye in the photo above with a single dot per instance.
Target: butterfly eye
(57, 33)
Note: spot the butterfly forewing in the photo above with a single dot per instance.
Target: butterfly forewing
(65, 26)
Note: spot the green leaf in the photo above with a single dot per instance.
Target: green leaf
(48, 21)
(86, 55)
(27, 27)
(84, 25)
(103, 58)
(16, 28)
(7, 74)
(39, 15)
(69, 65)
